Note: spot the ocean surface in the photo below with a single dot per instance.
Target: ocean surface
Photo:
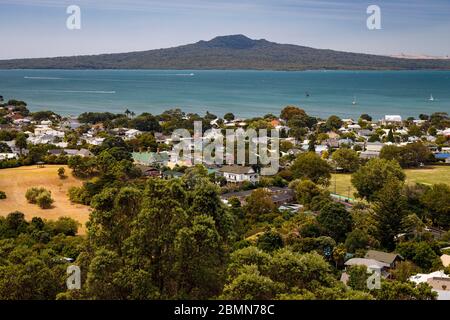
(245, 93)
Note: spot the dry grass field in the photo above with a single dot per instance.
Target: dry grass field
(15, 182)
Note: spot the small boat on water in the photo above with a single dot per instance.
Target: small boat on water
(431, 98)
(354, 101)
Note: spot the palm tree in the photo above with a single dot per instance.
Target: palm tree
(127, 112)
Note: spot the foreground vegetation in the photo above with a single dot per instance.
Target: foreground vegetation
(174, 238)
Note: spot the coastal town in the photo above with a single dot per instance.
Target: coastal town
(349, 195)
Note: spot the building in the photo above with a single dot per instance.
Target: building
(172, 174)
(369, 154)
(71, 152)
(151, 158)
(374, 146)
(442, 157)
(372, 150)
(371, 264)
(149, 171)
(238, 174)
(438, 280)
(394, 119)
(388, 258)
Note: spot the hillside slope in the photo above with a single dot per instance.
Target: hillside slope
(230, 52)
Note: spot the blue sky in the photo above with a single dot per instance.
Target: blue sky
(37, 28)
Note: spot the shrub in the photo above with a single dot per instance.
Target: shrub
(2, 195)
(32, 194)
(64, 225)
(62, 173)
(40, 196)
(44, 200)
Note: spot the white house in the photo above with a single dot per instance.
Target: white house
(392, 119)
(374, 146)
(438, 280)
(239, 174)
(131, 134)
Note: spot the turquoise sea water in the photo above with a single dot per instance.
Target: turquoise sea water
(245, 93)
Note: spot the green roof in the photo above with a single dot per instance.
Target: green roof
(149, 158)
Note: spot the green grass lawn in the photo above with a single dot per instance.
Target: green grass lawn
(430, 175)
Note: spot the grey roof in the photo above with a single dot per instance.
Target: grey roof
(369, 263)
(236, 169)
(382, 256)
(71, 152)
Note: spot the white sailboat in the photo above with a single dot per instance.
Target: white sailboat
(354, 101)
(431, 98)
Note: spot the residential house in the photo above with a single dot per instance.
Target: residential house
(161, 138)
(391, 119)
(372, 150)
(84, 153)
(171, 174)
(131, 134)
(149, 171)
(371, 264)
(354, 127)
(348, 121)
(389, 258)
(238, 174)
(365, 133)
(438, 280)
(319, 149)
(151, 158)
(94, 141)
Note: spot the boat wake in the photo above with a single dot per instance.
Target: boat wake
(42, 78)
(80, 91)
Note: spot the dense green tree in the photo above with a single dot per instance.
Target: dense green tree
(259, 207)
(229, 116)
(290, 112)
(436, 199)
(61, 173)
(311, 166)
(395, 290)
(333, 123)
(390, 136)
(346, 159)
(251, 285)
(389, 211)
(358, 276)
(269, 241)
(420, 253)
(366, 117)
(356, 239)
(306, 191)
(145, 122)
(373, 176)
(335, 220)
(411, 155)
